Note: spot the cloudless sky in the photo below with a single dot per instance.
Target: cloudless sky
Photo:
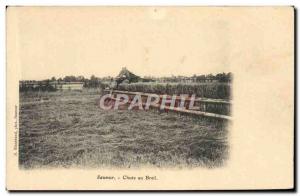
(150, 41)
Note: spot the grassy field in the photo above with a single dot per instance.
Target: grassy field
(68, 129)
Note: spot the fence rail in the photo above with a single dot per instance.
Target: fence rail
(204, 101)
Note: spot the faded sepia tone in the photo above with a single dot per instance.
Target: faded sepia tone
(248, 145)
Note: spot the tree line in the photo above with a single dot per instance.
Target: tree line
(103, 82)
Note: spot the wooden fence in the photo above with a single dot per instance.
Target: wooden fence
(201, 111)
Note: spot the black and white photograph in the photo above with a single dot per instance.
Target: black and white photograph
(174, 121)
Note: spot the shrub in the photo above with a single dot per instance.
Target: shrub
(207, 90)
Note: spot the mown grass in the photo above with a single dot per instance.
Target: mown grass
(68, 129)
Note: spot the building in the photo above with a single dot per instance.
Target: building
(68, 85)
(49, 85)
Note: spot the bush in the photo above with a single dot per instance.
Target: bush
(207, 90)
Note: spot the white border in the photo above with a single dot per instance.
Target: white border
(153, 2)
(4, 3)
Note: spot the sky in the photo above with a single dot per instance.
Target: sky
(149, 41)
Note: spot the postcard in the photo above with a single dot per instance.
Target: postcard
(150, 98)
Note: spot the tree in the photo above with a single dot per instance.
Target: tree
(94, 82)
(70, 79)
